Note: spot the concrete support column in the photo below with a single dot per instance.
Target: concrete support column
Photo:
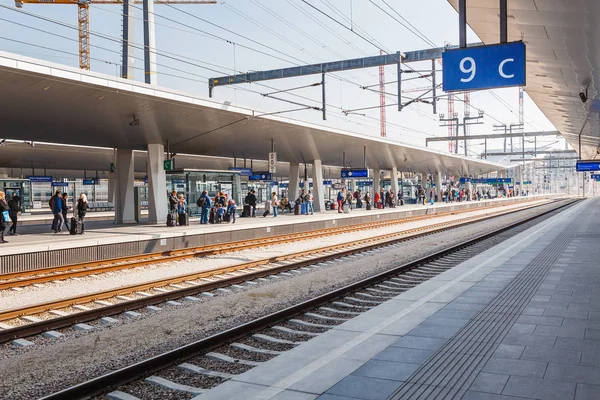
(394, 178)
(519, 178)
(124, 211)
(504, 186)
(294, 187)
(157, 184)
(376, 181)
(438, 185)
(318, 187)
(112, 183)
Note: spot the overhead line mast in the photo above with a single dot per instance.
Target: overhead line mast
(382, 98)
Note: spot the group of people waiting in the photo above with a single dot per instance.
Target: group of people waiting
(217, 211)
(59, 204)
(382, 199)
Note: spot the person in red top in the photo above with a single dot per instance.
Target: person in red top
(377, 199)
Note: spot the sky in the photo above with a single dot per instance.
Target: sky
(195, 42)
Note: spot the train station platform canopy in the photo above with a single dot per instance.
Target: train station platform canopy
(49, 102)
(563, 59)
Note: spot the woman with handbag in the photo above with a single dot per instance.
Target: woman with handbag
(4, 216)
(82, 207)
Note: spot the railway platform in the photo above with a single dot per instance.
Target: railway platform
(518, 321)
(37, 246)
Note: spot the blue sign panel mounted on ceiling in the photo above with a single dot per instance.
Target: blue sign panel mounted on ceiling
(355, 173)
(587, 166)
(484, 67)
(243, 171)
(40, 179)
(261, 176)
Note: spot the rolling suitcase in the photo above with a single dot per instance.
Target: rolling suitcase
(211, 216)
(170, 219)
(76, 226)
(183, 219)
(346, 208)
(227, 217)
(266, 213)
(297, 209)
(368, 206)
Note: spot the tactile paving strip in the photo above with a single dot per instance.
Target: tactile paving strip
(452, 369)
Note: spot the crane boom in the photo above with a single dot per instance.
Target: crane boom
(83, 18)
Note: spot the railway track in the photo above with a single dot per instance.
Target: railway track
(41, 276)
(189, 370)
(30, 320)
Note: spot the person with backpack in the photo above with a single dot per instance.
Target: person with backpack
(204, 204)
(4, 216)
(14, 206)
(367, 199)
(173, 202)
(82, 207)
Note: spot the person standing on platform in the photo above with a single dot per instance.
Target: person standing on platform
(340, 200)
(65, 209)
(232, 209)
(382, 198)
(3, 216)
(57, 211)
(82, 207)
(251, 201)
(377, 200)
(309, 203)
(181, 207)
(274, 204)
(204, 205)
(367, 199)
(14, 206)
(173, 202)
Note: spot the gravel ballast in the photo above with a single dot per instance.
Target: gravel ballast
(67, 362)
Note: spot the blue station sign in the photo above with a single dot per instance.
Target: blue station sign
(60, 184)
(40, 179)
(93, 181)
(327, 182)
(355, 173)
(261, 176)
(243, 171)
(587, 166)
(595, 176)
(484, 67)
(465, 180)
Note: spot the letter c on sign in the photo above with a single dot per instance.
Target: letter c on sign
(501, 68)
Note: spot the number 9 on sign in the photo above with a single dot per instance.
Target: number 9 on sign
(472, 69)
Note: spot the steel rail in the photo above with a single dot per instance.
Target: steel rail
(111, 380)
(19, 279)
(339, 250)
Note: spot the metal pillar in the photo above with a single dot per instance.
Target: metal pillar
(323, 89)
(439, 187)
(149, 43)
(127, 70)
(503, 21)
(462, 23)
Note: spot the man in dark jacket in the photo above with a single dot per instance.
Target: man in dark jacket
(57, 211)
(65, 209)
(14, 206)
(204, 204)
(251, 201)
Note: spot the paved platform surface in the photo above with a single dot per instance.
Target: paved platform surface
(519, 321)
(42, 238)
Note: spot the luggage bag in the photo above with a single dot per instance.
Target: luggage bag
(76, 227)
(170, 219)
(183, 219)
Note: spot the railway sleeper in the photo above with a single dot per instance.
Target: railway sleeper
(242, 346)
(225, 358)
(167, 384)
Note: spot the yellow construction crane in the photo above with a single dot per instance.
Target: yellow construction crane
(83, 18)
